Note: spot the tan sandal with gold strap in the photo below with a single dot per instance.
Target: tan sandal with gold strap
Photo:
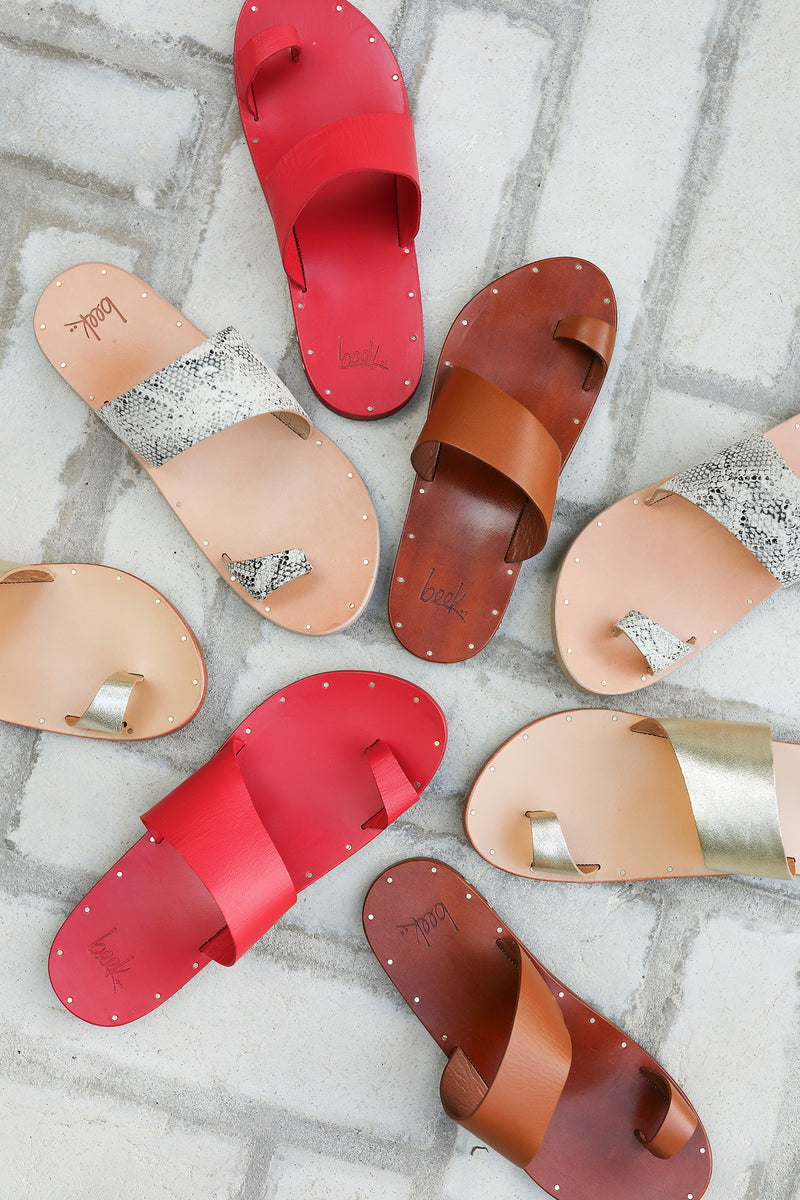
(595, 796)
(95, 652)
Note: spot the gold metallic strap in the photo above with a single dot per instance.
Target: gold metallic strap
(550, 851)
(106, 712)
(728, 772)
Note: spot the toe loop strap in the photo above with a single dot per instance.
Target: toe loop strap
(597, 337)
(257, 52)
(397, 792)
(678, 1123)
(549, 852)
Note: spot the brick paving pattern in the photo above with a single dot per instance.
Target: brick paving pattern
(658, 140)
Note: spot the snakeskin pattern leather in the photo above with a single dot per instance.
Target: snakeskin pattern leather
(260, 576)
(660, 647)
(751, 490)
(217, 384)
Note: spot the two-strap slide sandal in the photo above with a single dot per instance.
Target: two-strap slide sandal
(599, 796)
(311, 776)
(325, 114)
(272, 503)
(663, 573)
(532, 1070)
(95, 652)
(517, 378)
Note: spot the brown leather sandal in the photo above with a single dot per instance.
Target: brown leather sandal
(532, 1070)
(517, 378)
(273, 504)
(94, 652)
(600, 796)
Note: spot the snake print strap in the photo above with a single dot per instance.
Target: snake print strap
(260, 576)
(660, 647)
(754, 493)
(213, 386)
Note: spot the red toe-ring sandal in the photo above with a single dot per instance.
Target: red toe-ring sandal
(311, 776)
(326, 117)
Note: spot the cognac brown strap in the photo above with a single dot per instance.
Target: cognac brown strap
(597, 336)
(11, 572)
(678, 1124)
(473, 415)
(512, 1112)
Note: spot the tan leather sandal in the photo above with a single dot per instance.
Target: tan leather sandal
(598, 796)
(272, 503)
(672, 566)
(95, 652)
(532, 1070)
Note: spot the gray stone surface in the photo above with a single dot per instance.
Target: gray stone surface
(657, 140)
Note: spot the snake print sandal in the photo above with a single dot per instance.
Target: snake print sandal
(273, 504)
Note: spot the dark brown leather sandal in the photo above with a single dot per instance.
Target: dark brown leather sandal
(532, 1070)
(517, 378)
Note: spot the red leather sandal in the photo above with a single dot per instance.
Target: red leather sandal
(532, 1070)
(325, 113)
(311, 776)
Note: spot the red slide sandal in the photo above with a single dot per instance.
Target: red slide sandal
(325, 113)
(311, 776)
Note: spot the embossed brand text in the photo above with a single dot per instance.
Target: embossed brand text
(114, 966)
(95, 316)
(424, 925)
(449, 601)
(368, 357)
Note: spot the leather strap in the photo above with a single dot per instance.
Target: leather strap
(396, 790)
(263, 576)
(597, 336)
(11, 572)
(211, 387)
(679, 1121)
(256, 53)
(549, 851)
(106, 712)
(473, 415)
(750, 489)
(659, 648)
(210, 820)
(511, 1114)
(728, 773)
(369, 142)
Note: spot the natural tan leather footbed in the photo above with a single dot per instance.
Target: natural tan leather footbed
(669, 560)
(254, 489)
(62, 639)
(619, 796)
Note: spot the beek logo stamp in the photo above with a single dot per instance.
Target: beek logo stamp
(113, 965)
(449, 601)
(89, 322)
(424, 926)
(368, 357)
